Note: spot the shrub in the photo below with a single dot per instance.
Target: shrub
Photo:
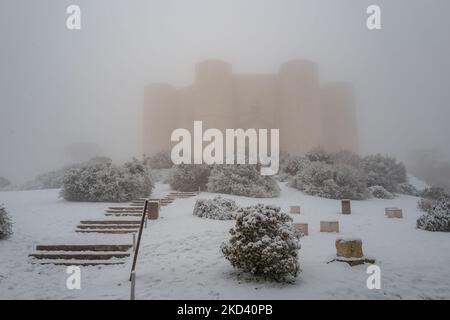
(217, 208)
(331, 181)
(160, 160)
(54, 179)
(346, 158)
(430, 197)
(189, 177)
(408, 189)
(294, 165)
(242, 180)
(380, 193)
(4, 183)
(106, 182)
(384, 171)
(437, 218)
(5, 224)
(434, 193)
(318, 154)
(263, 243)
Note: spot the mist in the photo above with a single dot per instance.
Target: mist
(60, 88)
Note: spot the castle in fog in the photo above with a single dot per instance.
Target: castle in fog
(307, 114)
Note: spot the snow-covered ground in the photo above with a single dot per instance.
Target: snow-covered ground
(180, 254)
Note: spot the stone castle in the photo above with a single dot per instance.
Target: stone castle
(307, 114)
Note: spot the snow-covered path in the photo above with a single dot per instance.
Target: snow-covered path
(180, 255)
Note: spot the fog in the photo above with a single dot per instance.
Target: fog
(59, 87)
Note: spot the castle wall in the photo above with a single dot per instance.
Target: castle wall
(159, 117)
(255, 101)
(300, 115)
(339, 117)
(292, 100)
(213, 94)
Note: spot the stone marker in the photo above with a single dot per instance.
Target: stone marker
(295, 209)
(350, 251)
(153, 210)
(301, 228)
(349, 248)
(345, 205)
(329, 226)
(394, 213)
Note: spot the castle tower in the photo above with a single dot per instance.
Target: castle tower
(300, 117)
(339, 117)
(160, 117)
(213, 94)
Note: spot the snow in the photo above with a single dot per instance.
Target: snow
(180, 255)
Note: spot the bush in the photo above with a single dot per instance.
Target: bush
(430, 197)
(437, 218)
(160, 160)
(434, 193)
(102, 182)
(4, 183)
(54, 179)
(331, 181)
(319, 154)
(162, 175)
(408, 189)
(189, 177)
(380, 193)
(263, 243)
(242, 180)
(346, 158)
(294, 165)
(217, 208)
(5, 224)
(384, 171)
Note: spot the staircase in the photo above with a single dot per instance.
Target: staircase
(81, 255)
(109, 226)
(102, 254)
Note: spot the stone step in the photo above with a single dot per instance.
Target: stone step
(126, 208)
(108, 226)
(111, 222)
(85, 247)
(107, 231)
(80, 256)
(135, 204)
(123, 214)
(125, 211)
(80, 263)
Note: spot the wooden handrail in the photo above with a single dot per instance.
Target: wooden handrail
(136, 251)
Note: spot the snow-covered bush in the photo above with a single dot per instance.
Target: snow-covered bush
(294, 165)
(380, 193)
(218, 208)
(264, 243)
(437, 218)
(54, 179)
(430, 197)
(107, 182)
(162, 175)
(189, 177)
(347, 158)
(4, 183)
(5, 224)
(408, 189)
(331, 181)
(318, 154)
(384, 171)
(434, 193)
(160, 160)
(242, 180)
